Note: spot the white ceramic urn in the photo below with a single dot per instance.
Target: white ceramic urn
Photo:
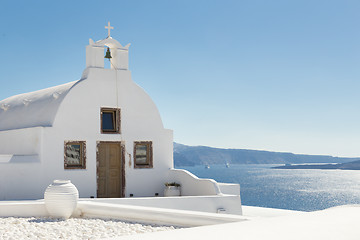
(61, 198)
(172, 191)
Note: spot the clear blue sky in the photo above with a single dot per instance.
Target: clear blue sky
(271, 75)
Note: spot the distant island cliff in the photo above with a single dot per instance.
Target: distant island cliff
(200, 155)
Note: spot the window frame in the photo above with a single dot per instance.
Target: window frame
(82, 164)
(116, 121)
(149, 154)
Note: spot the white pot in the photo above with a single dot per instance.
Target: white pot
(171, 191)
(61, 198)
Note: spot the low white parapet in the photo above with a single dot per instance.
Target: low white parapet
(192, 185)
(229, 188)
(23, 209)
(141, 214)
(229, 204)
(153, 215)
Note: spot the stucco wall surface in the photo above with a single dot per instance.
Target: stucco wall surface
(79, 119)
(26, 141)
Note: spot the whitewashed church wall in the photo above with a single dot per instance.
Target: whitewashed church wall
(83, 179)
(78, 119)
(26, 141)
(143, 182)
(21, 181)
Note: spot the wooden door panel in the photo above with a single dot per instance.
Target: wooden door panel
(114, 187)
(101, 187)
(110, 170)
(114, 174)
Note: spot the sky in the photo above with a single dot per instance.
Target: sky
(266, 75)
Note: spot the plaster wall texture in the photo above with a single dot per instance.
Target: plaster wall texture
(26, 141)
(21, 181)
(20, 165)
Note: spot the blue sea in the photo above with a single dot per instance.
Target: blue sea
(295, 189)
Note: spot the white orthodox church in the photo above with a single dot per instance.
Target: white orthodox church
(102, 132)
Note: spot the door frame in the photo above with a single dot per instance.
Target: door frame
(122, 149)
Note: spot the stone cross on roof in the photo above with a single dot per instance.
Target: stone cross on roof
(108, 27)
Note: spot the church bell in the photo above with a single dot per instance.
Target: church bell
(108, 54)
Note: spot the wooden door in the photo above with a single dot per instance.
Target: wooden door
(110, 170)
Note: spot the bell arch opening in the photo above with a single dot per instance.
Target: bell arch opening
(108, 58)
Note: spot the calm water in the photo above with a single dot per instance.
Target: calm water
(296, 189)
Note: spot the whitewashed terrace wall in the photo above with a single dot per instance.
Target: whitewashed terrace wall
(192, 185)
(229, 188)
(229, 204)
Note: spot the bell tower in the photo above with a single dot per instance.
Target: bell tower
(119, 54)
